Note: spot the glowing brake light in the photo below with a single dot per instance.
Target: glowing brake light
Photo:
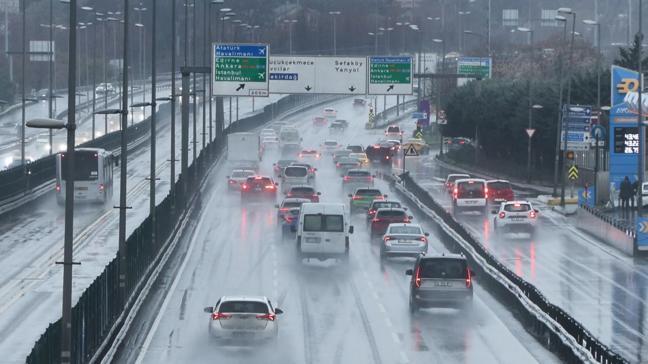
(58, 188)
(423, 239)
(244, 186)
(387, 238)
(532, 214)
(347, 178)
(502, 215)
(375, 219)
(220, 315)
(101, 187)
(486, 192)
(455, 192)
(270, 187)
(468, 278)
(356, 198)
(417, 277)
(371, 212)
(232, 182)
(258, 177)
(267, 316)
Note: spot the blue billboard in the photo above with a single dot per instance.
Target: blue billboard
(623, 132)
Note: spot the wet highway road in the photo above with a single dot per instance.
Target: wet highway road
(333, 313)
(31, 241)
(599, 286)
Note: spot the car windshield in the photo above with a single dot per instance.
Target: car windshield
(390, 213)
(368, 193)
(330, 143)
(358, 174)
(517, 207)
(302, 190)
(243, 307)
(295, 172)
(499, 185)
(241, 174)
(443, 268)
(405, 230)
(380, 205)
(321, 222)
(291, 204)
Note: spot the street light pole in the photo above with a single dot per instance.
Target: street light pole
(438, 103)
(23, 11)
(173, 99)
(569, 83)
(598, 59)
(560, 99)
(334, 14)
(50, 96)
(124, 160)
(530, 99)
(153, 123)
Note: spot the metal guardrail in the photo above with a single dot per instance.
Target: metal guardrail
(99, 308)
(580, 340)
(382, 118)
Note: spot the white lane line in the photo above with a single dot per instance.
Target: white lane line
(169, 294)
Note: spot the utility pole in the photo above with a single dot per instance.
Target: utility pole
(152, 178)
(569, 83)
(50, 96)
(23, 11)
(560, 105)
(173, 99)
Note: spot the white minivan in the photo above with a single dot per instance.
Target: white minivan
(323, 231)
(293, 176)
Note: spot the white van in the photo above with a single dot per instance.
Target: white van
(323, 231)
(293, 176)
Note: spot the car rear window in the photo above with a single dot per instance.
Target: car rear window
(330, 143)
(476, 188)
(302, 190)
(354, 148)
(359, 173)
(349, 160)
(295, 172)
(393, 129)
(523, 207)
(309, 152)
(368, 193)
(258, 181)
(499, 185)
(390, 213)
(380, 205)
(443, 268)
(320, 222)
(243, 307)
(405, 230)
(285, 162)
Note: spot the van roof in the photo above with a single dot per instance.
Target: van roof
(323, 208)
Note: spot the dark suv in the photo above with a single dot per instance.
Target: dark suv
(440, 281)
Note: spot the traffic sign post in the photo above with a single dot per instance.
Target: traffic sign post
(410, 151)
(530, 132)
(576, 124)
(240, 69)
(390, 75)
(315, 74)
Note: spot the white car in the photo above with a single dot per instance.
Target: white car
(450, 181)
(330, 146)
(515, 216)
(268, 132)
(469, 194)
(404, 240)
(270, 141)
(237, 178)
(393, 131)
(243, 319)
(330, 112)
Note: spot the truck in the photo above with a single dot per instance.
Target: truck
(289, 138)
(243, 150)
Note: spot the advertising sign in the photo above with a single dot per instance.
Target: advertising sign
(623, 135)
(390, 75)
(240, 69)
(321, 75)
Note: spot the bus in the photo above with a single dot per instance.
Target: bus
(93, 175)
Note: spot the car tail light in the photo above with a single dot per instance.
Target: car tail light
(502, 215)
(532, 214)
(232, 182)
(417, 277)
(314, 195)
(486, 192)
(101, 187)
(387, 157)
(355, 198)
(423, 239)
(289, 194)
(220, 315)
(387, 238)
(311, 170)
(270, 187)
(347, 178)
(301, 155)
(283, 209)
(337, 165)
(468, 278)
(455, 192)
(371, 212)
(58, 188)
(369, 178)
(244, 186)
(267, 316)
(375, 219)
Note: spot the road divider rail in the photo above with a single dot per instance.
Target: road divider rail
(552, 326)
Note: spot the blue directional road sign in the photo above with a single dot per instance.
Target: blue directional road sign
(577, 121)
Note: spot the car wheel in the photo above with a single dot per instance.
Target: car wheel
(413, 306)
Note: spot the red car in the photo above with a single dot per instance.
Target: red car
(319, 121)
(259, 186)
(499, 190)
(307, 192)
(386, 216)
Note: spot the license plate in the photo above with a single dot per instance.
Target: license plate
(313, 240)
(258, 189)
(442, 284)
(470, 202)
(81, 188)
(405, 242)
(517, 219)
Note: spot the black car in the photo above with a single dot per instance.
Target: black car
(381, 153)
(359, 102)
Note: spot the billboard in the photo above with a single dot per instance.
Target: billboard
(624, 134)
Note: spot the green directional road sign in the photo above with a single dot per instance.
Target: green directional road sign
(390, 75)
(481, 66)
(240, 70)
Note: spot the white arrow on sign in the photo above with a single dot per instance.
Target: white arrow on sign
(530, 132)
